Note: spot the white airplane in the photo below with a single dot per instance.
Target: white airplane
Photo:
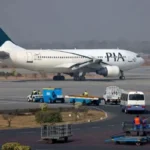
(74, 62)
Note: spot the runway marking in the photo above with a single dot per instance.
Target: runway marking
(29, 132)
(76, 129)
(96, 127)
(111, 125)
(45, 149)
(6, 103)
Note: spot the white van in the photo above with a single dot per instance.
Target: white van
(132, 101)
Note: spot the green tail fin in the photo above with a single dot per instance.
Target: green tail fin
(3, 37)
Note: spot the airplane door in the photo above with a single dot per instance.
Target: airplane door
(29, 57)
(131, 61)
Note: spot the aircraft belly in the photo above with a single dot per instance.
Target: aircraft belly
(50, 67)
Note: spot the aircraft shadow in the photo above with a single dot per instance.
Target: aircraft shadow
(57, 142)
(68, 80)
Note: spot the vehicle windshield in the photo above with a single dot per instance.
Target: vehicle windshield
(136, 97)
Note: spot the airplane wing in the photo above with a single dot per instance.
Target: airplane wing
(4, 55)
(78, 66)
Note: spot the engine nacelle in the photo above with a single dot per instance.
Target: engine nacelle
(109, 71)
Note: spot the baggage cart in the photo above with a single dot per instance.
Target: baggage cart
(128, 127)
(138, 140)
(85, 100)
(56, 132)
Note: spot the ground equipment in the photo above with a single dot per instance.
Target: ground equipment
(49, 95)
(133, 101)
(128, 136)
(85, 100)
(128, 127)
(138, 140)
(112, 95)
(35, 98)
(56, 132)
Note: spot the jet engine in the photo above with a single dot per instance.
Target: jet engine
(109, 71)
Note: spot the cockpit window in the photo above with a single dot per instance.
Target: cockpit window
(138, 55)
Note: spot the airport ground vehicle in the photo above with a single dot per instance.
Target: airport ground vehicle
(128, 129)
(35, 98)
(85, 100)
(112, 95)
(132, 101)
(138, 140)
(56, 132)
(49, 95)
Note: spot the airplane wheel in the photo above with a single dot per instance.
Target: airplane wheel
(62, 78)
(82, 78)
(122, 77)
(79, 78)
(76, 79)
(58, 78)
(54, 78)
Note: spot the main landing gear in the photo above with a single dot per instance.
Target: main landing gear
(122, 77)
(59, 77)
(79, 78)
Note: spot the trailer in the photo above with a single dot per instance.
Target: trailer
(52, 133)
(128, 135)
(85, 100)
(112, 95)
(120, 139)
(128, 127)
(49, 95)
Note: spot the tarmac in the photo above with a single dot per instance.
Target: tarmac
(88, 135)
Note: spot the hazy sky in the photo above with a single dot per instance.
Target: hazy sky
(74, 20)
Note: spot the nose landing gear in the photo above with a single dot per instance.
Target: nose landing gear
(122, 77)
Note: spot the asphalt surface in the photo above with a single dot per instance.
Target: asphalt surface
(90, 135)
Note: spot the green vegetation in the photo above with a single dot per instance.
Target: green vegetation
(48, 116)
(44, 107)
(8, 74)
(15, 146)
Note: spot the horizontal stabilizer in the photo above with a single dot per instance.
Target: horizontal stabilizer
(4, 55)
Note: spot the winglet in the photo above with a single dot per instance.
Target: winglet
(3, 37)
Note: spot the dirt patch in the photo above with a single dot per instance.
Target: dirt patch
(68, 117)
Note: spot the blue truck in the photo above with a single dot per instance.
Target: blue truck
(85, 100)
(49, 95)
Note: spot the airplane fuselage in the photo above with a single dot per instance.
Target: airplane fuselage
(52, 61)
(75, 62)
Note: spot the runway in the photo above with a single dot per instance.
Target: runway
(90, 135)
